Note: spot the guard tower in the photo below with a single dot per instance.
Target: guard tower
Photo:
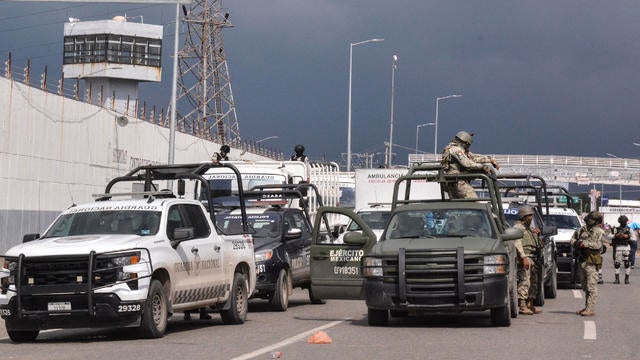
(112, 57)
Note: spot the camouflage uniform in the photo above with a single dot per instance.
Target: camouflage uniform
(588, 240)
(456, 159)
(530, 245)
(622, 249)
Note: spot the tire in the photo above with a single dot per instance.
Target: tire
(513, 295)
(155, 314)
(502, 316)
(280, 298)
(313, 299)
(23, 336)
(239, 302)
(551, 288)
(377, 317)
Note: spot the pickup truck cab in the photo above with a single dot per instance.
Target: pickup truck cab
(435, 254)
(129, 262)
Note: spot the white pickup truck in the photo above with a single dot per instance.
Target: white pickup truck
(129, 263)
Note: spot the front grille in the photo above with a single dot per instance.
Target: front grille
(434, 277)
(72, 270)
(563, 248)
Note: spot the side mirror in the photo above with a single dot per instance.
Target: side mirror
(30, 237)
(180, 234)
(512, 233)
(354, 238)
(181, 191)
(293, 233)
(549, 230)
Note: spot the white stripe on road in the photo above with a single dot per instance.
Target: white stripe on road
(589, 330)
(286, 341)
(577, 294)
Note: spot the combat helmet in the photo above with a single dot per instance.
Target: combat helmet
(299, 149)
(623, 219)
(225, 149)
(593, 218)
(465, 137)
(524, 211)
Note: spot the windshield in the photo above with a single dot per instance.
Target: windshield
(376, 220)
(106, 222)
(565, 221)
(347, 197)
(260, 225)
(223, 186)
(439, 223)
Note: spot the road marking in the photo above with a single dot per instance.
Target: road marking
(589, 330)
(577, 294)
(285, 342)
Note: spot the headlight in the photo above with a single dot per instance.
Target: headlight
(495, 264)
(8, 274)
(118, 263)
(264, 255)
(372, 267)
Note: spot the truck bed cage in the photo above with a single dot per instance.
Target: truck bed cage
(435, 173)
(150, 173)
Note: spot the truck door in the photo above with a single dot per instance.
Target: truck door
(336, 267)
(298, 249)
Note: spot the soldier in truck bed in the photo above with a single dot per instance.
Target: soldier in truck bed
(457, 159)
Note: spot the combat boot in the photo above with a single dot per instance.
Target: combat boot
(533, 309)
(523, 309)
(588, 313)
(626, 279)
(617, 280)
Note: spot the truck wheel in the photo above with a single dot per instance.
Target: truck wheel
(313, 299)
(23, 336)
(502, 316)
(551, 288)
(237, 313)
(280, 298)
(513, 295)
(156, 312)
(539, 300)
(377, 317)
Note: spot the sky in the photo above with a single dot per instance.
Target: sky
(537, 77)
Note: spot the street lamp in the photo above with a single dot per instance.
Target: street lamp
(349, 116)
(620, 189)
(418, 131)
(267, 138)
(394, 66)
(435, 141)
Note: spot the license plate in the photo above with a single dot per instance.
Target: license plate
(59, 306)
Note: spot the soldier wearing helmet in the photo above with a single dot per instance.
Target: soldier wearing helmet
(622, 249)
(299, 153)
(528, 249)
(457, 159)
(588, 242)
(223, 154)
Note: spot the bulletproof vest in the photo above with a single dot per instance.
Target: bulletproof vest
(621, 230)
(295, 157)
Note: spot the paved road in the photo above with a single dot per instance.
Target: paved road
(614, 333)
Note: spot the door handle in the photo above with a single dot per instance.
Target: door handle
(216, 248)
(194, 250)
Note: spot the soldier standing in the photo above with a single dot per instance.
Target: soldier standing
(622, 249)
(457, 159)
(528, 249)
(588, 242)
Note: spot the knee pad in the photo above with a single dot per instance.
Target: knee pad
(616, 265)
(627, 264)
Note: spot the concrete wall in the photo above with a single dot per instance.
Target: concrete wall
(55, 151)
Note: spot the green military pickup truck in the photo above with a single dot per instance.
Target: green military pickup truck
(435, 255)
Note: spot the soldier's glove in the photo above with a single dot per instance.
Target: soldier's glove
(495, 164)
(604, 249)
(487, 169)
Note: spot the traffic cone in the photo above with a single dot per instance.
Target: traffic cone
(320, 337)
